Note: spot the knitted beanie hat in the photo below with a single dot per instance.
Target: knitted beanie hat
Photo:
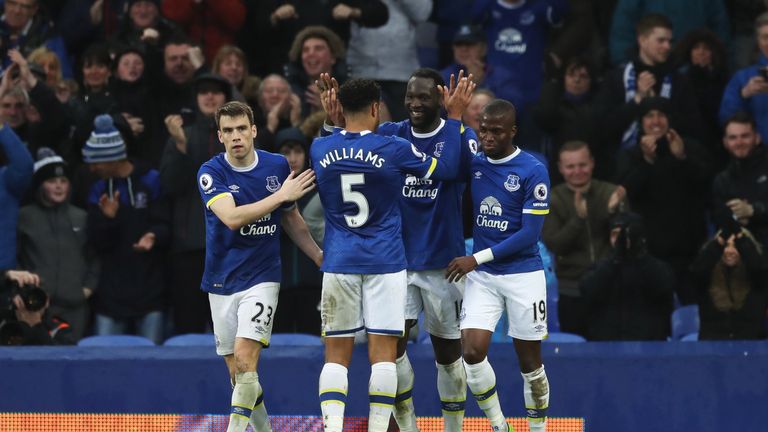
(105, 143)
(49, 165)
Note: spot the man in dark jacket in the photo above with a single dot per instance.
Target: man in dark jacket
(629, 293)
(189, 147)
(666, 176)
(128, 226)
(741, 191)
(649, 74)
(52, 243)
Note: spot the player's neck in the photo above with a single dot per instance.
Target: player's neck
(431, 127)
(244, 162)
(357, 124)
(505, 154)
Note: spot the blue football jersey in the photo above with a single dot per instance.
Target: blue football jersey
(237, 260)
(359, 179)
(510, 199)
(431, 209)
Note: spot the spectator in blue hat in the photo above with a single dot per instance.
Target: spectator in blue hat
(128, 227)
(469, 49)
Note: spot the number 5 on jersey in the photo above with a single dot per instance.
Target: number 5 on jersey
(357, 198)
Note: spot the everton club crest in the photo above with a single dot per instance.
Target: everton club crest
(513, 183)
(273, 184)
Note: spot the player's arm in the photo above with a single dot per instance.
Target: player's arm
(535, 208)
(234, 216)
(294, 225)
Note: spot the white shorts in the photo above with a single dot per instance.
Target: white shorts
(353, 302)
(246, 314)
(524, 295)
(430, 291)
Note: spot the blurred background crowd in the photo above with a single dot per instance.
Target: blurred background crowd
(649, 115)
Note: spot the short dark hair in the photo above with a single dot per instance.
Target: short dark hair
(429, 73)
(651, 21)
(234, 109)
(741, 117)
(570, 146)
(358, 94)
(97, 54)
(501, 107)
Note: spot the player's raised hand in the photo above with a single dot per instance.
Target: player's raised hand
(457, 100)
(329, 91)
(296, 186)
(459, 267)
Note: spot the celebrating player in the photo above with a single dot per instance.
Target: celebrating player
(248, 195)
(433, 236)
(359, 177)
(510, 191)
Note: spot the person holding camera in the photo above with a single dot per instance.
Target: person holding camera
(667, 178)
(730, 274)
(748, 88)
(628, 293)
(24, 318)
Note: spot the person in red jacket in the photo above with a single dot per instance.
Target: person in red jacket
(212, 23)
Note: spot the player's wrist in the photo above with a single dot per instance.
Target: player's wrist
(483, 256)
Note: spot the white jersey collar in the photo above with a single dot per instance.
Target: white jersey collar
(428, 134)
(243, 169)
(506, 159)
(362, 133)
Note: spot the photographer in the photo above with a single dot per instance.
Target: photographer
(23, 317)
(730, 275)
(667, 176)
(629, 293)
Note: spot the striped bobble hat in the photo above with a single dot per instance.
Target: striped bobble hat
(105, 143)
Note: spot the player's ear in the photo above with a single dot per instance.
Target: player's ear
(375, 109)
(218, 132)
(254, 130)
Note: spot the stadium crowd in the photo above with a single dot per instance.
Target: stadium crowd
(649, 115)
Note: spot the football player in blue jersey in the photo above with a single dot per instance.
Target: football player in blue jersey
(359, 176)
(433, 236)
(248, 194)
(510, 192)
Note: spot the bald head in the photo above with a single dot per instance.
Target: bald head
(503, 110)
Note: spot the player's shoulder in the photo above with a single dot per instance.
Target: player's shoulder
(394, 128)
(531, 163)
(270, 158)
(214, 164)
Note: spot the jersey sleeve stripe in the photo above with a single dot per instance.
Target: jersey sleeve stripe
(431, 169)
(216, 198)
(536, 211)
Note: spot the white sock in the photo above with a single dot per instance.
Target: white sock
(404, 411)
(536, 394)
(244, 397)
(259, 418)
(333, 396)
(452, 387)
(381, 395)
(482, 382)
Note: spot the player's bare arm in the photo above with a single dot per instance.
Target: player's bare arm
(235, 217)
(297, 230)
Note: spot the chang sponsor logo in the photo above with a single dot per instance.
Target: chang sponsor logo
(510, 41)
(490, 207)
(412, 188)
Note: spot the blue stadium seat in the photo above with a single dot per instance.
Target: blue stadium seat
(114, 340)
(295, 339)
(561, 337)
(191, 339)
(685, 320)
(691, 337)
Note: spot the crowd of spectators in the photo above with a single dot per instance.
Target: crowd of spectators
(650, 115)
